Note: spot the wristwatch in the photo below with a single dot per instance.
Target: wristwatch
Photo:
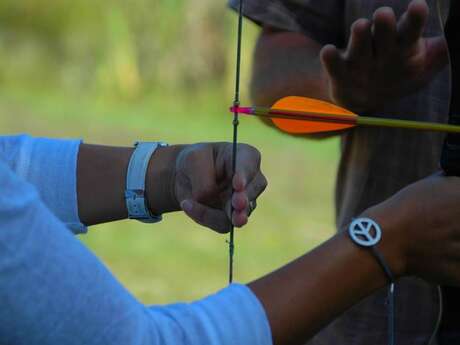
(135, 197)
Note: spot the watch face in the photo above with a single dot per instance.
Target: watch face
(365, 232)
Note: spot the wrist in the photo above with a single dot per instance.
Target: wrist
(160, 180)
(393, 243)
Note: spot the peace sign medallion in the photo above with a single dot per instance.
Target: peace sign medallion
(365, 232)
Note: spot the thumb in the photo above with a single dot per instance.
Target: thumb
(214, 219)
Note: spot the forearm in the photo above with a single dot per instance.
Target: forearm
(286, 64)
(101, 182)
(307, 294)
(83, 183)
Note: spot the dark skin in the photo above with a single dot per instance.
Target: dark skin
(421, 236)
(197, 179)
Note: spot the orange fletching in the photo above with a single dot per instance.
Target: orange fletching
(294, 103)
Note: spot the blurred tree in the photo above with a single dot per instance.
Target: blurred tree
(114, 48)
(120, 68)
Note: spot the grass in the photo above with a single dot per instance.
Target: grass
(176, 259)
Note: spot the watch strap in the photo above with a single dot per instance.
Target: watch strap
(136, 202)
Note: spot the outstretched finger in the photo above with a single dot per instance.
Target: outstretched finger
(214, 219)
(384, 31)
(332, 62)
(360, 42)
(412, 23)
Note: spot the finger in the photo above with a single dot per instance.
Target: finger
(384, 31)
(248, 166)
(360, 42)
(332, 62)
(256, 187)
(412, 23)
(240, 201)
(240, 219)
(214, 219)
(237, 202)
(239, 181)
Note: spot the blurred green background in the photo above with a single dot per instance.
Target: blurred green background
(114, 72)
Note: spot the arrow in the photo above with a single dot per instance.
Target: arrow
(302, 115)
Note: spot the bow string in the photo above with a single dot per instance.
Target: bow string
(236, 104)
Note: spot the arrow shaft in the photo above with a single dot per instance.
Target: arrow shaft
(417, 125)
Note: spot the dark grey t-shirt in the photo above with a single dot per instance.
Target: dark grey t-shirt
(375, 162)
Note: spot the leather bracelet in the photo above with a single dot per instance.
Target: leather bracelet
(366, 233)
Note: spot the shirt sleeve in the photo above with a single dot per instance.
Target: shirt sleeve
(54, 291)
(51, 166)
(322, 21)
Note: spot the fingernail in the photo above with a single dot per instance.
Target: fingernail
(239, 220)
(239, 181)
(186, 205)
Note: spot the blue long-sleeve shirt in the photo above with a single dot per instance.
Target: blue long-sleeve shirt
(53, 290)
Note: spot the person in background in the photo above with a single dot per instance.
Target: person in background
(376, 58)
